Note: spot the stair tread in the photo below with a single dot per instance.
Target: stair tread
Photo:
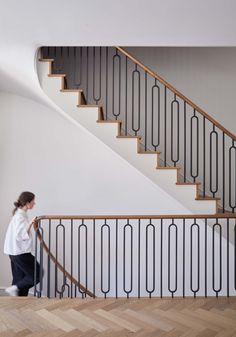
(138, 137)
(149, 152)
(89, 106)
(71, 90)
(46, 60)
(187, 183)
(207, 198)
(168, 168)
(105, 121)
(57, 75)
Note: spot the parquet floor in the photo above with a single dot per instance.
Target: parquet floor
(26, 317)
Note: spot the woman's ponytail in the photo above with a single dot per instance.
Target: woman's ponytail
(23, 199)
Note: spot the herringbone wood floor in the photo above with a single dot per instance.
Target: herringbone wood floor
(25, 317)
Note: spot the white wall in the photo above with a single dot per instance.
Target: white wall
(69, 170)
(207, 76)
(27, 25)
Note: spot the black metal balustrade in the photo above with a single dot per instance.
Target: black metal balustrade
(149, 107)
(136, 256)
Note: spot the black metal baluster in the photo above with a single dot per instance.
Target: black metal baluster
(231, 204)
(165, 129)
(78, 69)
(191, 258)
(105, 292)
(35, 259)
(194, 176)
(58, 63)
(126, 95)
(235, 255)
(83, 292)
(174, 102)
(106, 111)
(128, 291)
(57, 291)
(116, 56)
(172, 291)
(41, 260)
(150, 291)
(64, 285)
(135, 128)
(183, 257)
(139, 266)
(204, 156)
(227, 257)
(185, 142)
(223, 173)
(38, 288)
(87, 75)
(94, 255)
(212, 189)
(206, 257)
(116, 258)
(213, 258)
(71, 257)
(145, 120)
(97, 98)
(161, 257)
(49, 260)
(157, 143)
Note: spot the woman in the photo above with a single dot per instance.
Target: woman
(18, 245)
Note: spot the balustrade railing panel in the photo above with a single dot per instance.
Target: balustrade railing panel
(136, 256)
(150, 109)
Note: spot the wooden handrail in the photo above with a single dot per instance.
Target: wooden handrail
(184, 98)
(58, 265)
(125, 217)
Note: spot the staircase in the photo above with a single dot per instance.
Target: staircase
(172, 142)
(160, 166)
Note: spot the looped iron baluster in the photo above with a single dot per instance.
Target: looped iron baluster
(150, 291)
(172, 291)
(217, 290)
(216, 164)
(128, 290)
(105, 292)
(118, 58)
(174, 102)
(198, 258)
(137, 128)
(83, 226)
(156, 144)
(194, 176)
(97, 98)
(78, 67)
(232, 169)
(64, 284)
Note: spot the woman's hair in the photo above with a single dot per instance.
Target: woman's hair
(23, 199)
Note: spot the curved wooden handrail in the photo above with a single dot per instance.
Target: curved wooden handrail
(125, 217)
(184, 98)
(59, 266)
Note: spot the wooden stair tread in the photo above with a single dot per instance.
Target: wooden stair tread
(46, 60)
(149, 152)
(187, 183)
(105, 121)
(168, 168)
(129, 137)
(57, 75)
(89, 106)
(71, 90)
(207, 198)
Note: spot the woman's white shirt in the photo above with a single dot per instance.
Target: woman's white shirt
(17, 240)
